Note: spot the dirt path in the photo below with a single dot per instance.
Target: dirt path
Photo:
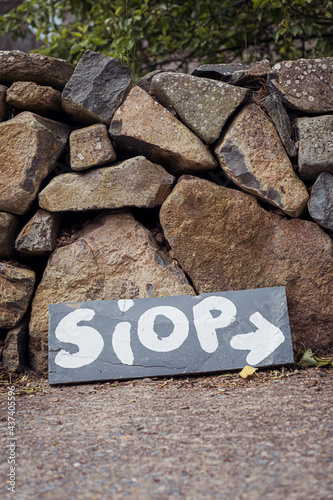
(217, 437)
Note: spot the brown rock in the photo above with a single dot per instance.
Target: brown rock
(142, 126)
(304, 84)
(225, 241)
(252, 155)
(8, 225)
(91, 146)
(114, 258)
(44, 70)
(16, 288)
(134, 182)
(39, 235)
(203, 104)
(29, 147)
(33, 97)
(3, 104)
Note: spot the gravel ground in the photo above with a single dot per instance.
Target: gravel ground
(216, 437)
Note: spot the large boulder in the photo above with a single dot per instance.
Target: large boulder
(304, 84)
(134, 182)
(142, 126)
(202, 104)
(224, 240)
(29, 148)
(16, 288)
(114, 257)
(252, 155)
(96, 89)
(16, 65)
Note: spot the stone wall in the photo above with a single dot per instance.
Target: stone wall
(181, 184)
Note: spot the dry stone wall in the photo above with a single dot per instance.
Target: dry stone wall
(180, 184)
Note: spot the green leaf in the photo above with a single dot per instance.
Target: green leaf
(308, 359)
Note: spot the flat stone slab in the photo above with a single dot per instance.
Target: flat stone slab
(234, 73)
(16, 65)
(33, 97)
(123, 339)
(315, 145)
(134, 182)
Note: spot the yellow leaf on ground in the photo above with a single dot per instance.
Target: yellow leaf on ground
(247, 371)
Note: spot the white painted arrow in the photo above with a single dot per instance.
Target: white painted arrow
(260, 343)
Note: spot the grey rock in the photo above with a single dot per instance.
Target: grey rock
(133, 182)
(16, 65)
(145, 82)
(16, 347)
(252, 155)
(202, 104)
(96, 89)
(315, 145)
(279, 117)
(8, 225)
(90, 147)
(235, 73)
(3, 104)
(16, 286)
(38, 236)
(320, 204)
(29, 148)
(304, 84)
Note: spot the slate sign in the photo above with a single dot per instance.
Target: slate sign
(123, 339)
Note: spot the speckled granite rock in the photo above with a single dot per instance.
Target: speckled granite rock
(202, 104)
(8, 225)
(304, 84)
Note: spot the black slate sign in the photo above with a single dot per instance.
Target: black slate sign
(122, 339)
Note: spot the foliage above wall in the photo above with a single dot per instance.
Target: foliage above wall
(147, 33)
